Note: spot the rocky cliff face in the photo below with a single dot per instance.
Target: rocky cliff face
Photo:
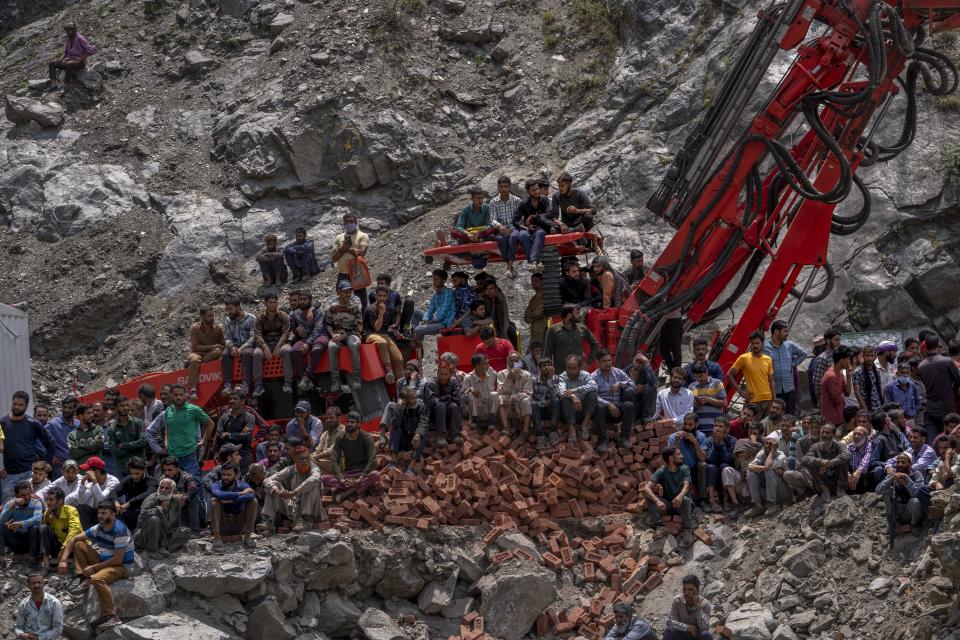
(202, 125)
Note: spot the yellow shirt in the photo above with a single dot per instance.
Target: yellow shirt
(757, 371)
(67, 525)
(359, 240)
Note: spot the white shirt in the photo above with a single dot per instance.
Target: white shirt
(779, 462)
(674, 405)
(92, 494)
(69, 490)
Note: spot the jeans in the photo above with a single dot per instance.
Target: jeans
(195, 506)
(627, 416)
(23, 541)
(685, 511)
(541, 410)
(48, 544)
(353, 343)
(69, 68)
(508, 245)
(446, 419)
(587, 408)
(258, 356)
(8, 483)
(532, 243)
(428, 329)
(226, 366)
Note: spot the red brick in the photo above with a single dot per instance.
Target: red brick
(552, 561)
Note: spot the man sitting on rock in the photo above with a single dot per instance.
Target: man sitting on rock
(233, 506)
(40, 614)
(615, 401)
(474, 224)
(545, 403)
(827, 465)
(96, 485)
(20, 521)
(906, 497)
(188, 496)
(270, 259)
(765, 474)
(689, 617)
(159, 529)
(344, 325)
(442, 397)
(132, 491)
(354, 458)
(627, 626)
(295, 495)
(668, 492)
(301, 257)
(404, 426)
(107, 559)
(76, 50)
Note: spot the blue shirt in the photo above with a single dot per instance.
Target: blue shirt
(232, 493)
(785, 358)
(688, 450)
(314, 428)
(29, 514)
(908, 399)
(59, 429)
(605, 394)
(442, 308)
(470, 217)
(721, 452)
(110, 541)
(24, 441)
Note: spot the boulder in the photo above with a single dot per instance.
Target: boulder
(24, 110)
(437, 595)
(515, 540)
(165, 626)
(197, 62)
(376, 625)
(215, 579)
(458, 608)
(236, 8)
(767, 586)
(946, 546)
(513, 597)
(90, 79)
(752, 621)
(135, 597)
(839, 512)
(803, 560)
(266, 620)
(321, 58)
(401, 578)
(336, 616)
(338, 567)
(784, 632)
(280, 22)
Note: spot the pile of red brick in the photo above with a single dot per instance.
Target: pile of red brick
(491, 479)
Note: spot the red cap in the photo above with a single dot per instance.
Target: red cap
(93, 463)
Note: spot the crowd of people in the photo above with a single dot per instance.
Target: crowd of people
(98, 481)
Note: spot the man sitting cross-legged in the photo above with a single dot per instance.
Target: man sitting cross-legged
(354, 458)
(405, 425)
(159, 529)
(294, 494)
(442, 397)
(668, 491)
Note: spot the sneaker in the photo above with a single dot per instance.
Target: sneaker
(390, 378)
(624, 443)
(266, 528)
(258, 390)
(602, 447)
(773, 510)
(755, 511)
(553, 438)
(304, 385)
(218, 548)
(441, 441)
(288, 388)
(458, 441)
(193, 393)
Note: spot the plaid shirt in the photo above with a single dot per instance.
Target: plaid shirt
(544, 392)
(819, 366)
(860, 458)
(502, 212)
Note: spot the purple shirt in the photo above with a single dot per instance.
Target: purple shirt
(79, 47)
(860, 458)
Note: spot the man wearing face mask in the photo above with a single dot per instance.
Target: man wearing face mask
(294, 494)
(903, 391)
(347, 248)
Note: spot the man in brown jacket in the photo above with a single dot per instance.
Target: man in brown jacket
(271, 335)
(206, 344)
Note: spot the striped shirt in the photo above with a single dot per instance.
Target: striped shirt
(108, 542)
(706, 413)
(502, 212)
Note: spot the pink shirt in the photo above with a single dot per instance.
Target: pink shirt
(79, 47)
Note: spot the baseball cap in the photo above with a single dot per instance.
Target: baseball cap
(303, 405)
(342, 285)
(71, 463)
(93, 463)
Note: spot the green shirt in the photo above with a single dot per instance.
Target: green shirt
(672, 481)
(183, 429)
